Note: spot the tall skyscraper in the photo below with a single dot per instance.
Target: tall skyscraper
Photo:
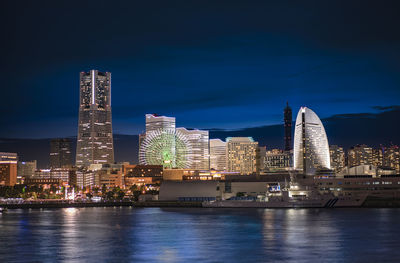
(217, 155)
(199, 141)
(288, 127)
(95, 138)
(311, 148)
(241, 155)
(338, 161)
(60, 153)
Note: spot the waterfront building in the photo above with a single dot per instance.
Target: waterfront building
(142, 174)
(110, 175)
(84, 178)
(199, 153)
(338, 161)
(277, 160)
(287, 113)
(8, 168)
(359, 154)
(62, 174)
(95, 137)
(241, 155)
(217, 155)
(311, 148)
(25, 170)
(44, 182)
(392, 158)
(60, 153)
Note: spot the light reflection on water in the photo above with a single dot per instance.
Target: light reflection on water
(199, 235)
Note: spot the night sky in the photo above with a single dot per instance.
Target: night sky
(211, 64)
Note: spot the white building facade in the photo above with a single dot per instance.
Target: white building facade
(311, 148)
(217, 155)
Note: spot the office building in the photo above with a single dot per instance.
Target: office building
(8, 168)
(338, 161)
(26, 170)
(241, 155)
(311, 148)
(95, 137)
(277, 160)
(109, 175)
(199, 154)
(288, 127)
(217, 155)
(60, 153)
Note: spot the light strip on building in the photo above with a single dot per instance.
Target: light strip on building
(92, 86)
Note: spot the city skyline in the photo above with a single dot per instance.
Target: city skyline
(165, 131)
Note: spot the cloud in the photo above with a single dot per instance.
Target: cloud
(386, 108)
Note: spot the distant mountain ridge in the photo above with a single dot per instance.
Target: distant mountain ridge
(345, 130)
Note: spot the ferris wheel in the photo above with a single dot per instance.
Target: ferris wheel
(167, 147)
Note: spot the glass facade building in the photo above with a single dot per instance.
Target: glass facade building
(199, 141)
(60, 153)
(311, 148)
(95, 138)
(217, 155)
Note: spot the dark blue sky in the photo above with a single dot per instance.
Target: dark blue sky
(211, 64)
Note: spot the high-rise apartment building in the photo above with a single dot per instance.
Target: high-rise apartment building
(95, 137)
(8, 168)
(359, 154)
(60, 153)
(392, 158)
(199, 153)
(311, 148)
(217, 155)
(377, 157)
(338, 161)
(288, 127)
(241, 155)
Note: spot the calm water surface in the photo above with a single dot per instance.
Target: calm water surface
(200, 235)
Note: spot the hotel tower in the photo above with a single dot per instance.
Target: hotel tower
(311, 149)
(95, 138)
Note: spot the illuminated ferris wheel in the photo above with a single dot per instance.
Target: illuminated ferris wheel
(167, 147)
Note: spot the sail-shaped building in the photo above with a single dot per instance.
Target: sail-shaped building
(311, 148)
